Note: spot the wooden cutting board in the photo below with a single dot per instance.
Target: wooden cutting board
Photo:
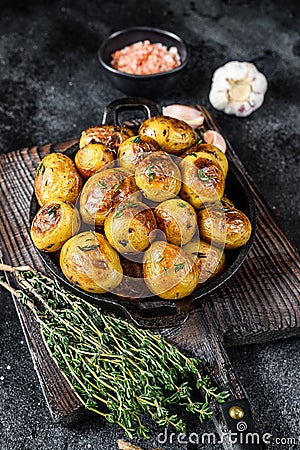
(261, 302)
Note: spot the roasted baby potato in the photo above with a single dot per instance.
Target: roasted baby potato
(209, 259)
(57, 177)
(214, 153)
(203, 180)
(110, 135)
(132, 151)
(89, 261)
(224, 226)
(54, 224)
(104, 191)
(173, 135)
(158, 177)
(93, 157)
(129, 226)
(169, 271)
(226, 202)
(177, 219)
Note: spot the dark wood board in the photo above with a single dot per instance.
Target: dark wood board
(258, 304)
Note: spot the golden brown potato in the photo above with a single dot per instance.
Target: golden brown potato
(169, 271)
(132, 286)
(89, 261)
(209, 259)
(132, 151)
(203, 179)
(177, 219)
(214, 153)
(224, 226)
(57, 177)
(54, 224)
(111, 135)
(226, 202)
(158, 177)
(129, 226)
(93, 157)
(173, 135)
(104, 191)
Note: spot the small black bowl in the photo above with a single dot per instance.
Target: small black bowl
(142, 85)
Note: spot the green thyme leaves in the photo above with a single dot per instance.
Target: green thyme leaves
(136, 140)
(52, 210)
(40, 169)
(202, 176)
(87, 248)
(101, 185)
(149, 173)
(117, 187)
(179, 266)
(120, 209)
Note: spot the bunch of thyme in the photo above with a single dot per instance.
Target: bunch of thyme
(117, 370)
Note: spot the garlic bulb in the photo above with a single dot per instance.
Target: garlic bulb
(191, 116)
(238, 88)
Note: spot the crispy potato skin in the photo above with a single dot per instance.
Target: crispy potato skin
(169, 271)
(203, 180)
(177, 219)
(173, 135)
(54, 224)
(104, 191)
(57, 177)
(209, 259)
(88, 261)
(111, 135)
(158, 177)
(214, 153)
(91, 158)
(132, 151)
(224, 226)
(129, 226)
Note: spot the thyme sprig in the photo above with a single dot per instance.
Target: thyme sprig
(115, 369)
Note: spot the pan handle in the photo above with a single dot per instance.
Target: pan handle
(113, 109)
(233, 419)
(156, 315)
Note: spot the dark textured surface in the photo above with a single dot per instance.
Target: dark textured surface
(51, 88)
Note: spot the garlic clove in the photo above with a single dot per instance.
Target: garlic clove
(238, 88)
(239, 109)
(218, 98)
(259, 83)
(191, 116)
(216, 139)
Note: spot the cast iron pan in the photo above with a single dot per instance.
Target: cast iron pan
(155, 312)
(173, 315)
